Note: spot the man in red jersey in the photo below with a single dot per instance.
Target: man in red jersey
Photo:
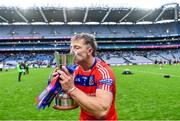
(92, 85)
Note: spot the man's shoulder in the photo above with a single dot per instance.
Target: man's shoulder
(102, 64)
(103, 68)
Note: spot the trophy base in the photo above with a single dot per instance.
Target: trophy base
(57, 107)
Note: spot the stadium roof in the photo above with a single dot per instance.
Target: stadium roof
(95, 13)
(87, 3)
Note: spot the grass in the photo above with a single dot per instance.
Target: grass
(145, 95)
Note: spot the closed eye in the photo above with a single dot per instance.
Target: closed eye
(77, 47)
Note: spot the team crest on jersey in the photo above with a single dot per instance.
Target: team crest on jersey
(91, 80)
(84, 80)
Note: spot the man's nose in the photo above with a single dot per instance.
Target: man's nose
(71, 51)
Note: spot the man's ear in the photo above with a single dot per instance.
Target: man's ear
(90, 51)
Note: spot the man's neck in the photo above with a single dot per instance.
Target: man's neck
(88, 64)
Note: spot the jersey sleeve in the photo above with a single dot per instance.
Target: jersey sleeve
(104, 79)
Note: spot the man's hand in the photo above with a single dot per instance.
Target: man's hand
(66, 79)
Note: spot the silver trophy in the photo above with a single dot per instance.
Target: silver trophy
(62, 100)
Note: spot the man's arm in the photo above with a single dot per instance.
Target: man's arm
(98, 105)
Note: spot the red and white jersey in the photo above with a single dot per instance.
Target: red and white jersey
(99, 77)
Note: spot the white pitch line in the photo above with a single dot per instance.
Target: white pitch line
(158, 73)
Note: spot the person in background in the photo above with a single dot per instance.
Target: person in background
(26, 67)
(92, 85)
(1, 66)
(20, 71)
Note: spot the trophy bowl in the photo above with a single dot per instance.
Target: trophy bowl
(62, 100)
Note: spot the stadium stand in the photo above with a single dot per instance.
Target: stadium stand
(119, 44)
(101, 31)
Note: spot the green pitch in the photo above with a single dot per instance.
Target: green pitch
(145, 95)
